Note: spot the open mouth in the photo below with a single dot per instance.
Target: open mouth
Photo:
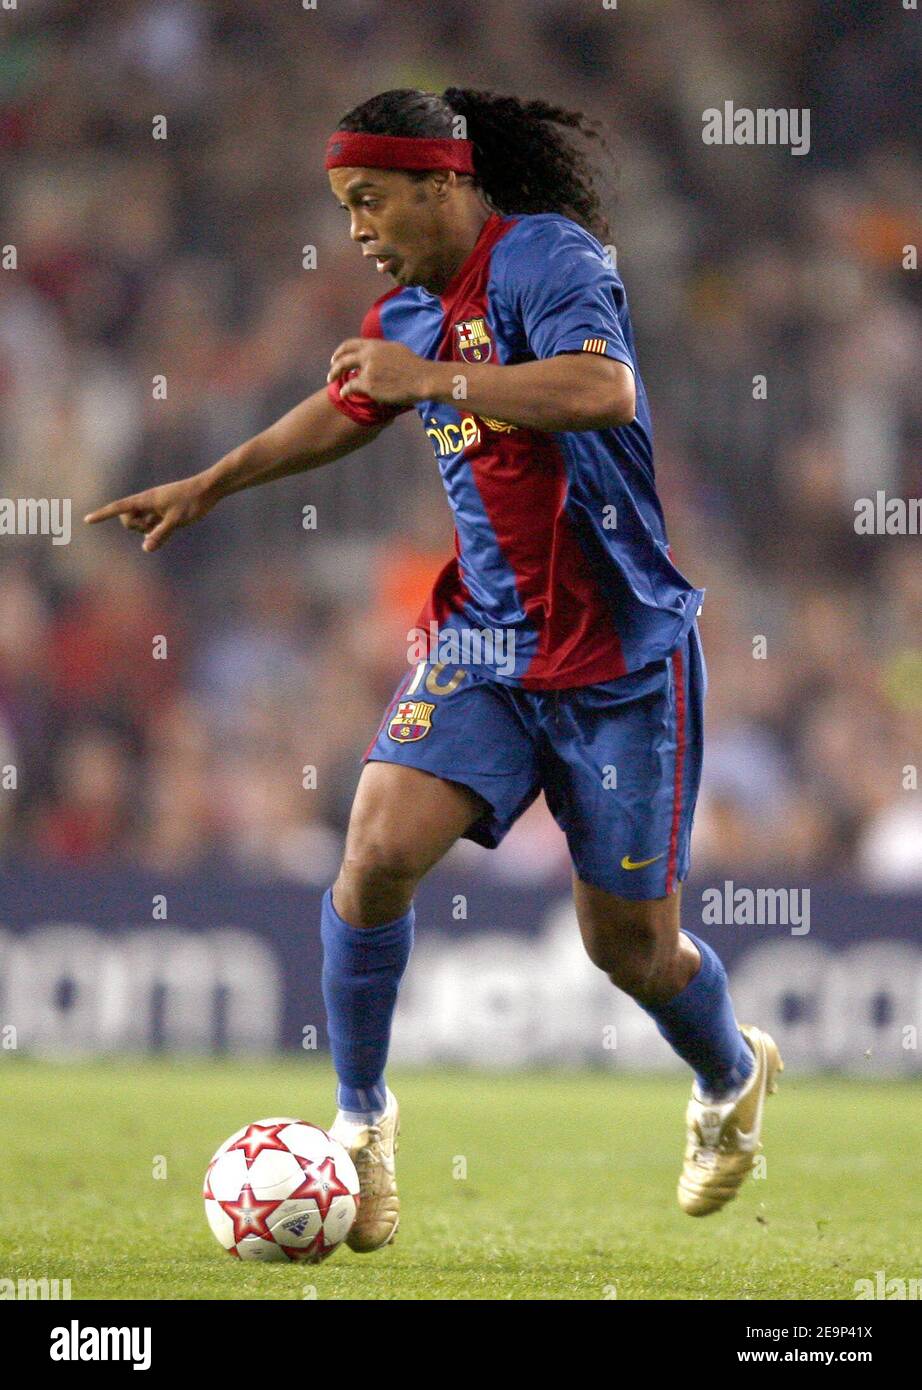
(385, 264)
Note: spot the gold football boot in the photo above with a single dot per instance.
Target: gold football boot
(723, 1136)
(372, 1149)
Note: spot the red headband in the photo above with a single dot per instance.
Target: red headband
(352, 149)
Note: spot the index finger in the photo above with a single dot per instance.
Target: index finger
(124, 504)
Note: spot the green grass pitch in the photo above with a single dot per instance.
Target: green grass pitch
(568, 1194)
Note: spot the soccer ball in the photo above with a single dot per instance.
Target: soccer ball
(281, 1190)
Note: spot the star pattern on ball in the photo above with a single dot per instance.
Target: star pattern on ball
(322, 1183)
(249, 1216)
(259, 1137)
(312, 1254)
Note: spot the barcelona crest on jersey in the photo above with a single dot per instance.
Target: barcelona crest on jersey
(412, 721)
(473, 339)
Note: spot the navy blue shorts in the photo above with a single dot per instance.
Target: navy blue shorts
(619, 763)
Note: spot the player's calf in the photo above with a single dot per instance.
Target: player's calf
(403, 821)
(680, 982)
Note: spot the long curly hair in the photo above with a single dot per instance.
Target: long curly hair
(525, 157)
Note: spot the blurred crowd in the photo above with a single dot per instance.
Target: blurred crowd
(212, 702)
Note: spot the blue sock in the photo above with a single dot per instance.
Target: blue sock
(699, 1024)
(362, 969)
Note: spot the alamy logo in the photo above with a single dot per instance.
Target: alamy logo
(881, 515)
(882, 1287)
(76, 1343)
(36, 516)
(729, 906)
(450, 646)
(739, 125)
(29, 1289)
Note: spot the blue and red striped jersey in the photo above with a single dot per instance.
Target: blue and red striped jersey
(559, 537)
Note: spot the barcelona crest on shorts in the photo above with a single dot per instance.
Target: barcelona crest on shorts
(473, 340)
(412, 721)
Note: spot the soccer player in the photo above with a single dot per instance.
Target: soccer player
(507, 329)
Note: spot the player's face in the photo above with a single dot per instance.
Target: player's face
(397, 221)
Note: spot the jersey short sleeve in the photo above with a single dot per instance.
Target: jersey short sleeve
(361, 408)
(563, 290)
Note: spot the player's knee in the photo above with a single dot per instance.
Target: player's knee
(637, 955)
(375, 884)
(380, 864)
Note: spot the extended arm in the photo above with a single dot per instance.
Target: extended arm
(313, 433)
